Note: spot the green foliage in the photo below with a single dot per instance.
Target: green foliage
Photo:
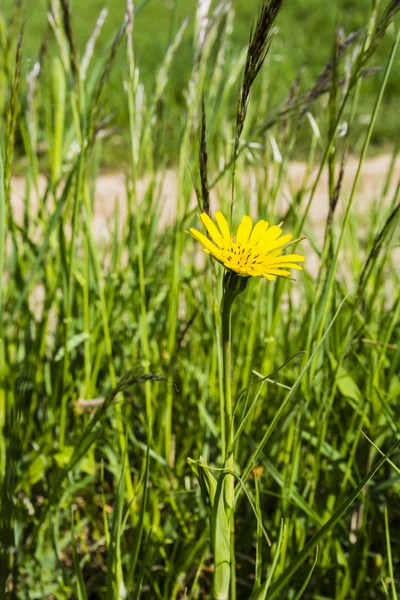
(110, 353)
(302, 45)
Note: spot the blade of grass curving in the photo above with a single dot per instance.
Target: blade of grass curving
(387, 410)
(395, 467)
(391, 169)
(385, 590)
(246, 492)
(246, 416)
(314, 541)
(296, 498)
(307, 581)
(261, 592)
(288, 398)
(389, 557)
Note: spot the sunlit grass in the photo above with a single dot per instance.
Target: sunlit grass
(111, 366)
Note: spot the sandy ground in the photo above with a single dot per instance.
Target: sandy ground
(110, 189)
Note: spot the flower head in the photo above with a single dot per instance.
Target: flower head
(254, 252)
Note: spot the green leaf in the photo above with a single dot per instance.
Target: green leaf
(36, 470)
(346, 384)
(208, 483)
(220, 536)
(62, 458)
(314, 541)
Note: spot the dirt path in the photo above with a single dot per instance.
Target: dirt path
(110, 188)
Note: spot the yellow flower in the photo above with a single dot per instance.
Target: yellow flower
(253, 252)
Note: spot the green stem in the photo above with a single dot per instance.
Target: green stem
(233, 286)
(226, 309)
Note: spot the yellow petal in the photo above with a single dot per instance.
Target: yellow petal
(280, 241)
(244, 231)
(254, 272)
(223, 225)
(271, 235)
(258, 232)
(211, 228)
(287, 266)
(268, 256)
(212, 248)
(289, 258)
(279, 272)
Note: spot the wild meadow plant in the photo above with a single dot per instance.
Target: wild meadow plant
(115, 360)
(251, 253)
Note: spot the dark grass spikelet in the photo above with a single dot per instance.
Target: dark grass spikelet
(200, 176)
(13, 25)
(386, 20)
(368, 50)
(73, 53)
(324, 81)
(287, 110)
(334, 197)
(203, 161)
(259, 45)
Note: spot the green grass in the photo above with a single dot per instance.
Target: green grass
(303, 43)
(111, 369)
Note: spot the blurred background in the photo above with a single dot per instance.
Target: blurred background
(301, 48)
